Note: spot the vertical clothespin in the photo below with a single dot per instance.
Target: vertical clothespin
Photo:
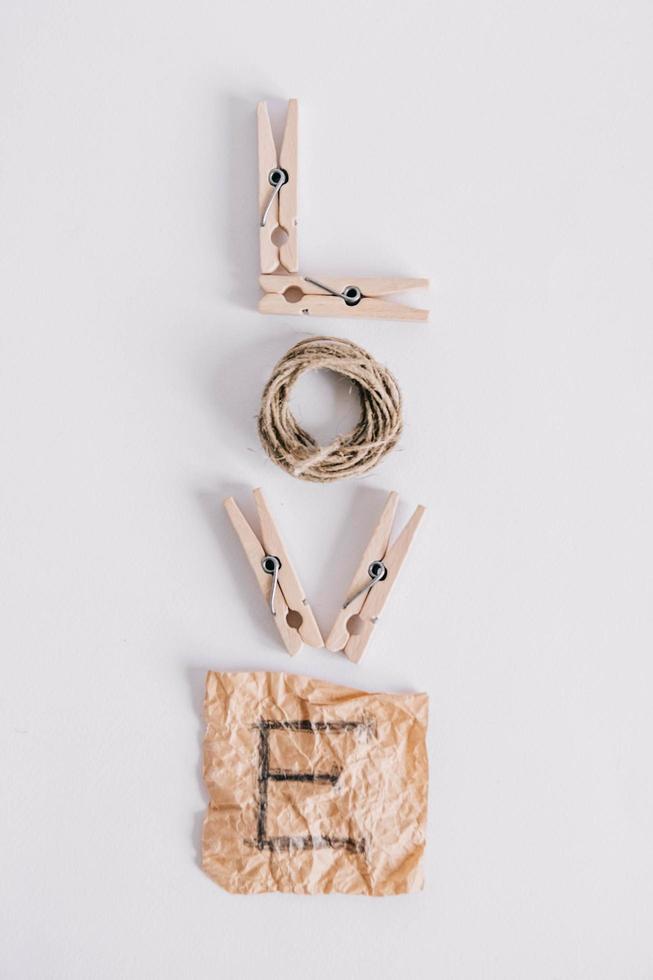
(277, 192)
(372, 583)
(276, 577)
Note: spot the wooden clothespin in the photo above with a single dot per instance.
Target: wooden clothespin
(339, 297)
(276, 577)
(277, 192)
(372, 583)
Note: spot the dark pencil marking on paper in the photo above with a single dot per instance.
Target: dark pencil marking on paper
(268, 774)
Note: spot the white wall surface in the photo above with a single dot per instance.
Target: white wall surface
(504, 150)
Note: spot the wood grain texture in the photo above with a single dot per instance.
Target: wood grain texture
(368, 285)
(332, 306)
(288, 197)
(267, 161)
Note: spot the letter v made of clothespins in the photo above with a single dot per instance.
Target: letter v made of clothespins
(367, 595)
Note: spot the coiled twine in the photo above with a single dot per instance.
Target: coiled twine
(353, 454)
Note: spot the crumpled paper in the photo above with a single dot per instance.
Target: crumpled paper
(313, 787)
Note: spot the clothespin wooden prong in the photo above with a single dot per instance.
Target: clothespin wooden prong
(288, 197)
(372, 583)
(267, 162)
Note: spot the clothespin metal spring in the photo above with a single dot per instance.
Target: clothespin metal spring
(377, 572)
(271, 566)
(277, 178)
(351, 294)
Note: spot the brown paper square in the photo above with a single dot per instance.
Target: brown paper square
(313, 787)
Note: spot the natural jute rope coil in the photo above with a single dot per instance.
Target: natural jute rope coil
(353, 454)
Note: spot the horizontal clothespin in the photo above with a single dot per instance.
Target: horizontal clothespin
(372, 583)
(339, 296)
(276, 577)
(277, 192)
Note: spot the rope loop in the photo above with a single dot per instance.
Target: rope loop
(352, 454)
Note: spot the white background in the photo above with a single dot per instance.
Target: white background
(504, 150)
